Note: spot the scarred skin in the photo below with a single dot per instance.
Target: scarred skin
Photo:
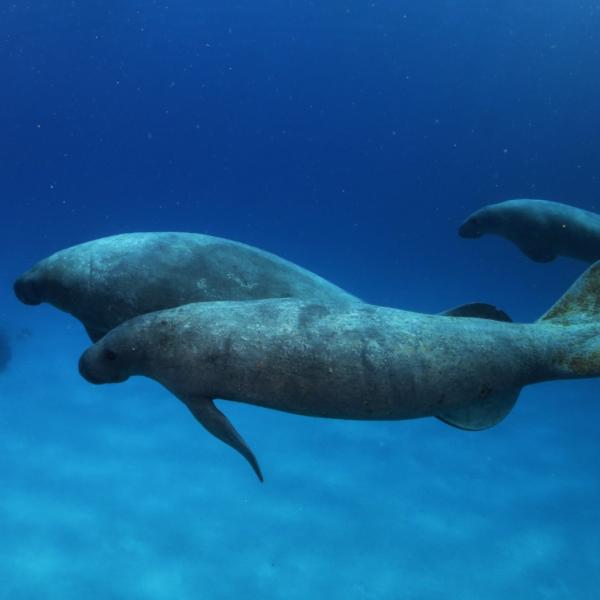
(108, 281)
(360, 362)
(541, 229)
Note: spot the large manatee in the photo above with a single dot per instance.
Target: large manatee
(110, 280)
(354, 362)
(541, 229)
(107, 281)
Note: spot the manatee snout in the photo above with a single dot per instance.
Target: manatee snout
(101, 365)
(86, 369)
(27, 290)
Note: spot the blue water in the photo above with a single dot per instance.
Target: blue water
(351, 138)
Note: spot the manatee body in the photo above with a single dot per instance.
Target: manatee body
(541, 229)
(358, 362)
(107, 281)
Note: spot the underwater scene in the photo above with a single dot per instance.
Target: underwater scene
(300, 300)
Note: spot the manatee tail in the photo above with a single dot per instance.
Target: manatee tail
(577, 313)
(572, 329)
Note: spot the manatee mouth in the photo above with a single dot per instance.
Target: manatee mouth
(87, 372)
(26, 291)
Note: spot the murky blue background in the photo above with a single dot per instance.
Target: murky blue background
(352, 138)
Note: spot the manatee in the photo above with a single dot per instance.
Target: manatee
(353, 362)
(107, 281)
(541, 229)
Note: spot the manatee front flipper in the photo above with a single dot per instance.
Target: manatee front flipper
(482, 413)
(217, 423)
(478, 310)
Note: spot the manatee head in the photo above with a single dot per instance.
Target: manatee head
(479, 223)
(28, 288)
(511, 219)
(144, 345)
(51, 280)
(120, 354)
(86, 281)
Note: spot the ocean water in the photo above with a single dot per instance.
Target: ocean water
(353, 139)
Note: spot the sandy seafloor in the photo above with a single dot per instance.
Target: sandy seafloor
(116, 492)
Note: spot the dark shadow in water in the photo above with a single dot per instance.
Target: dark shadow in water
(5, 351)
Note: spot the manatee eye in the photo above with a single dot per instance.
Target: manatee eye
(110, 355)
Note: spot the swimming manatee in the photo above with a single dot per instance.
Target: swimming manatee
(541, 229)
(353, 362)
(107, 281)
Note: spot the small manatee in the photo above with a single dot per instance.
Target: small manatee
(541, 229)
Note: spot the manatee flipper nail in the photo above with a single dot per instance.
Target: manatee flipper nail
(478, 310)
(482, 414)
(219, 425)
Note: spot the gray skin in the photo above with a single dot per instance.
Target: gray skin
(358, 362)
(541, 229)
(108, 281)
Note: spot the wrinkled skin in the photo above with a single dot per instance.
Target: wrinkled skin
(359, 362)
(108, 281)
(363, 363)
(541, 229)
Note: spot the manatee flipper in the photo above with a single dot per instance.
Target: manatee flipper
(537, 252)
(478, 310)
(218, 424)
(483, 413)
(94, 334)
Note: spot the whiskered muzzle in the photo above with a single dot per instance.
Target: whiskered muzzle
(27, 291)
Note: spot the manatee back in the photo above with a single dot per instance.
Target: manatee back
(123, 276)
